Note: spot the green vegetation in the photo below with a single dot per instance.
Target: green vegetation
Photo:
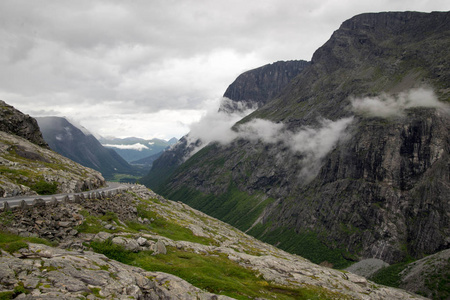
(159, 225)
(234, 207)
(166, 228)
(19, 289)
(7, 295)
(93, 224)
(216, 274)
(45, 188)
(390, 275)
(11, 243)
(306, 244)
(127, 178)
(438, 282)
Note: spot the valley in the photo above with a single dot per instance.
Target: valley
(321, 179)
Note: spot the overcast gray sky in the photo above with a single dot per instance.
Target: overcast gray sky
(151, 68)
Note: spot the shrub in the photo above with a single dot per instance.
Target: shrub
(45, 188)
(15, 246)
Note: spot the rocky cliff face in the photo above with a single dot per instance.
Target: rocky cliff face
(255, 88)
(14, 122)
(352, 153)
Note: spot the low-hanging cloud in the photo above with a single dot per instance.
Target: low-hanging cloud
(395, 105)
(137, 146)
(215, 126)
(311, 143)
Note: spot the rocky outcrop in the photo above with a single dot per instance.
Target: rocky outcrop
(51, 273)
(14, 122)
(29, 167)
(24, 165)
(381, 191)
(428, 275)
(256, 87)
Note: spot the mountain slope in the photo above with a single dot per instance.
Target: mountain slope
(26, 168)
(70, 141)
(350, 161)
(152, 248)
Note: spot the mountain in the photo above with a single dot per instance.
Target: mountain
(29, 167)
(350, 160)
(82, 147)
(134, 149)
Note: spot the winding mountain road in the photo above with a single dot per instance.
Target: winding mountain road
(15, 201)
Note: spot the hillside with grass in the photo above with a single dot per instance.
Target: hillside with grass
(140, 245)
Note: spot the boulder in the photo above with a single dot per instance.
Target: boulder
(159, 248)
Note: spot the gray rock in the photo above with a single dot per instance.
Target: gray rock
(38, 202)
(6, 206)
(367, 267)
(159, 248)
(110, 227)
(103, 236)
(142, 241)
(129, 244)
(64, 224)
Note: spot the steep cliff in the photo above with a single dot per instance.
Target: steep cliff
(350, 161)
(256, 87)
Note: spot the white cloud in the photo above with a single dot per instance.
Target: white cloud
(395, 105)
(137, 146)
(215, 126)
(312, 143)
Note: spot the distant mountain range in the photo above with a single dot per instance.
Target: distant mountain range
(137, 151)
(82, 147)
